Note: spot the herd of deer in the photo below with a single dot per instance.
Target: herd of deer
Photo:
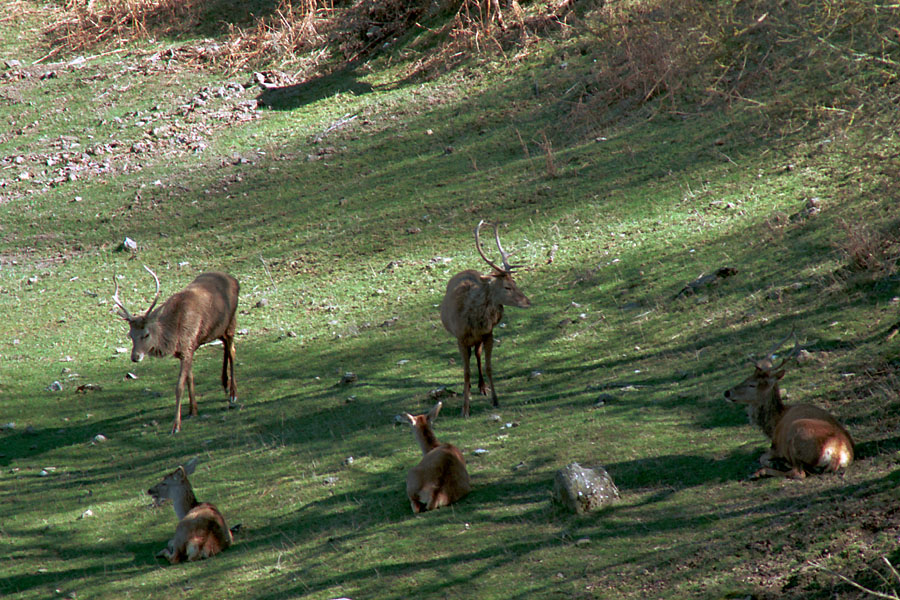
(804, 439)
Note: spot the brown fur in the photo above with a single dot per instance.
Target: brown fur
(804, 437)
(472, 306)
(202, 312)
(440, 478)
(201, 531)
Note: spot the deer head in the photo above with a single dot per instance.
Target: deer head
(504, 289)
(760, 386)
(139, 331)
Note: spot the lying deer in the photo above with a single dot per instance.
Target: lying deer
(471, 308)
(805, 438)
(440, 478)
(200, 313)
(201, 530)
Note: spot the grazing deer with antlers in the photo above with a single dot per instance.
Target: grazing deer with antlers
(471, 308)
(440, 478)
(201, 530)
(805, 438)
(200, 313)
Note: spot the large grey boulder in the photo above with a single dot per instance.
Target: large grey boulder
(582, 490)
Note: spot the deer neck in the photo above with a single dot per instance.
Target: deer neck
(426, 438)
(185, 502)
(161, 342)
(768, 411)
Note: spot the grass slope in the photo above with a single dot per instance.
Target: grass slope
(347, 208)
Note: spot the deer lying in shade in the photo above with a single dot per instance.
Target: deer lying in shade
(201, 530)
(202, 312)
(805, 438)
(440, 478)
(472, 307)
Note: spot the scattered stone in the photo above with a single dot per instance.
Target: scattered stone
(55, 387)
(129, 244)
(88, 387)
(705, 281)
(348, 461)
(331, 480)
(479, 452)
(581, 490)
(804, 357)
(582, 542)
(243, 331)
(494, 417)
(603, 400)
(130, 376)
(8, 426)
(99, 438)
(535, 375)
(263, 302)
(86, 514)
(520, 466)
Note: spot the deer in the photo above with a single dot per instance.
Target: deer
(472, 306)
(202, 312)
(440, 479)
(805, 438)
(201, 531)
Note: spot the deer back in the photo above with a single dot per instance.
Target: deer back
(202, 533)
(201, 312)
(809, 437)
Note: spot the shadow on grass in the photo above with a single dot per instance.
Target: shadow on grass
(342, 81)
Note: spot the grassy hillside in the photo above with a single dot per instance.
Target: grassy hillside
(625, 149)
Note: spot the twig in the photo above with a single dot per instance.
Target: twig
(266, 267)
(854, 584)
(339, 123)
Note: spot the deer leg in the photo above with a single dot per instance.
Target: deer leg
(481, 386)
(466, 352)
(179, 391)
(228, 361)
(190, 386)
(488, 349)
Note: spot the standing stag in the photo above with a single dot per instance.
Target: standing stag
(471, 308)
(440, 478)
(805, 438)
(201, 530)
(200, 313)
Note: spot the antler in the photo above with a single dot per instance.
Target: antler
(155, 298)
(507, 268)
(123, 312)
(771, 354)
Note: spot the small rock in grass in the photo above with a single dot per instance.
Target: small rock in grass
(582, 490)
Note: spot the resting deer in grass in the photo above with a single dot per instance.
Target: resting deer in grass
(441, 478)
(805, 438)
(201, 530)
(471, 308)
(200, 313)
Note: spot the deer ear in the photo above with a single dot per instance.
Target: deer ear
(410, 418)
(191, 465)
(433, 413)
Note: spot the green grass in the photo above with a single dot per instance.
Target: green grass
(322, 231)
